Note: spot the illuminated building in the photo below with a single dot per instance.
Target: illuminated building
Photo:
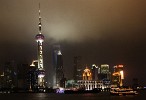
(118, 76)
(77, 68)
(58, 67)
(88, 84)
(33, 76)
(71, 84)
(87, 75)
(118, 68)
(40, 39)
(104, 72)
(104, 68)
(94, 72)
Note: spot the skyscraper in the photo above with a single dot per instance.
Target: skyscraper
(33, 76)
(118, 75)
(40, 39)
(58, 66)
(94, 72)
(104, 72)
(77, 68)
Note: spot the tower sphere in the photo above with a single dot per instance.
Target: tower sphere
(39, 37)
(41, 72)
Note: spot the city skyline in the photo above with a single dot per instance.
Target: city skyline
(101, 32)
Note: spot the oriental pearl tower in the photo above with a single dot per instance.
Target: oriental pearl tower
(40, 39)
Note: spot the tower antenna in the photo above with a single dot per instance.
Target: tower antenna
(40, 24)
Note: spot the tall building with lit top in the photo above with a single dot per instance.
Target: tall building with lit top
(33, 76)
(94, 72)
(118, 76)
(40, 39)
(58, 66)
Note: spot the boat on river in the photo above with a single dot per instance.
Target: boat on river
(123, 91)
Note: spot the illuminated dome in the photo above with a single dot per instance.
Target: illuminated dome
(87, 75)
(39, 37)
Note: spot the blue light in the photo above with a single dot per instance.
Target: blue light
(60, 90)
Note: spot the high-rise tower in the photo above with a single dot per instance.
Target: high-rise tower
(58, 66)
(118, 75)
(94, 70)
(77, 68)
(40, 39)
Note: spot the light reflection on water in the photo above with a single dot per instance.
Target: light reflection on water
(51, 96)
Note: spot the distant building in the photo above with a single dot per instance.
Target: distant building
(22, 71)
(1, 76)
(88, 83)
(118, 76)
(10, 75)
(77, 68)
(32, 76)
(94, 72)
(104, 69)
(15, 76)
(63, 82)
(87, 74)
(58, 66)
(104, 72)
(118, 68)
(70, 84)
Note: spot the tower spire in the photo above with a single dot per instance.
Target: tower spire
(40, 24)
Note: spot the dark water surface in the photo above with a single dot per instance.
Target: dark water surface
(88, 96)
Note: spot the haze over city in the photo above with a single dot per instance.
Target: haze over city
(100, 31)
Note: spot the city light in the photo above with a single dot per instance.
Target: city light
(122, 74)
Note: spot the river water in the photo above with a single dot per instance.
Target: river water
(87, 96)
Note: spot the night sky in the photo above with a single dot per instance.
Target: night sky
(100, 31)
